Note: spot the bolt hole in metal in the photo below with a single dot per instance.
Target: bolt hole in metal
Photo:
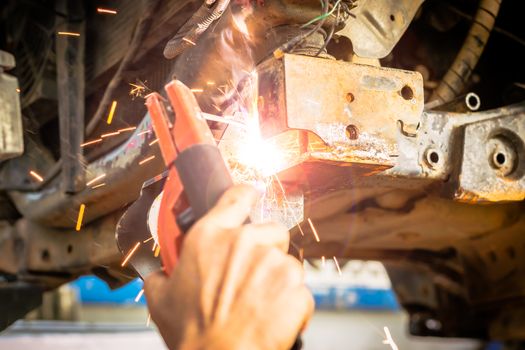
(500, 158)
(392, 18)
(69, 248)
(504, 155)
(350, 97)
(407, 93)
(472, 101)
(45, 255)
(433, 158)
(352, 132)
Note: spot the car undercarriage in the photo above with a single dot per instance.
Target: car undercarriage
(390, 131)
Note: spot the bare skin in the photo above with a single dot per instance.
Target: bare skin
(234, 287)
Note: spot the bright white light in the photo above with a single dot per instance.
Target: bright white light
(259, 154)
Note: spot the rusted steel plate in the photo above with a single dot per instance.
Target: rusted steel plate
(352, 110)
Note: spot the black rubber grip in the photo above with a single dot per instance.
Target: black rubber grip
(204, 177)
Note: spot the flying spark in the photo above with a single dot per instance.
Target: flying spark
(157, 251)
(149, 239)
(139, 89)
(130, 254)
(80, 216)
(90, 142)
(106, 11)
(146, 160)
(97, 186)
(314, 231)
(143, 132)
(96, 179)
(69, 33)
(197, 90)
(112, 112)
(323, 260)
(153, 142)
(189, 41)
(110, 134)
(131, 128)
(337, 265)
(210, 83)
(18, 90)
(154, 246)
(36, 176)
(389, 340)
(148, 320)
(137, 298)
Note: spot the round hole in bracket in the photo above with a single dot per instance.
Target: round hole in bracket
(69, 248)
(45, 255)
(407, 93)
(434, 157)
(352, 132)
(499, 158)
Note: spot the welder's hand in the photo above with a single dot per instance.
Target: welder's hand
(234, 287)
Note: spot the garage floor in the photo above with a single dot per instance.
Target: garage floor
(327, 331)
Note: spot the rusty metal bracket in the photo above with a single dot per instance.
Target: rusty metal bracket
(351, 117)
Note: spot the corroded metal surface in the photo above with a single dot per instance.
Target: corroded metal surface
(378, 25)
(123, 176)
(11, 132)
(493, 167)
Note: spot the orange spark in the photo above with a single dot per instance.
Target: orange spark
(97, 186)
(130, 254)
(110, 134)
(153, 142)
(90, 142)
(197, 90)
(18, 90)
(148, 320)
(217, 108)
(189, 41)
(284, 196)
(146, 160)
(80, 216)
(337, 265)
(149, 239)
(157, 251)
(131, 128)
(36, 176)
(137, 298)
(210, 83)
(154, 246)
(112, 112)
(95, 179)
(143, 132)
(314, 231)
(69, 33)
(107, 11)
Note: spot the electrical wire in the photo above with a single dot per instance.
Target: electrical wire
(331, 33)
(291, 44)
